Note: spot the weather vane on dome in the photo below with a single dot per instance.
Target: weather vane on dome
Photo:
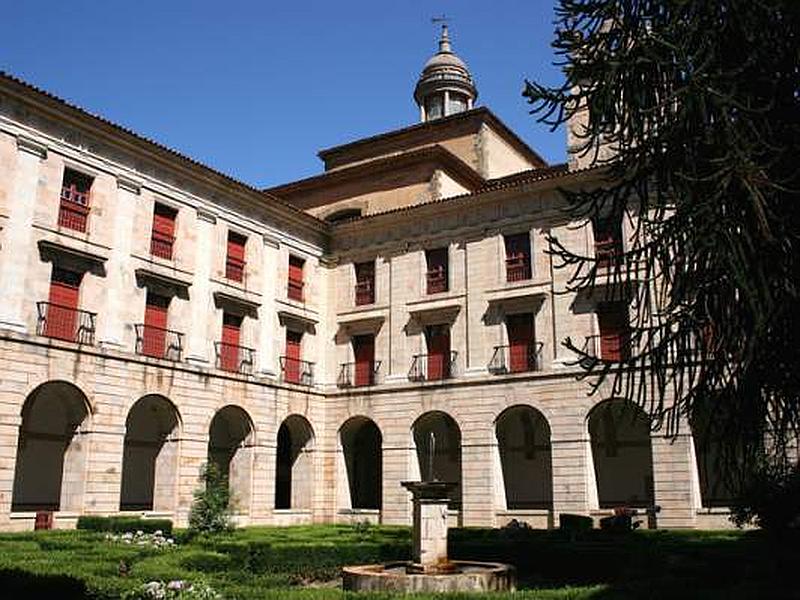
(443, 19)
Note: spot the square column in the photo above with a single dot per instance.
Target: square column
(18, 235)
(198, 345)
(674, 479)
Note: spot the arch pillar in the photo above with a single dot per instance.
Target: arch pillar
(674, 479)
(9, 433)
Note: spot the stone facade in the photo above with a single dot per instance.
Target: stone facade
(97, 426)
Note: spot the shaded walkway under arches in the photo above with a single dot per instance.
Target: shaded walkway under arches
(523, 442)
(150, 455)
(622, 454)
(294, 468)
(51, 459)
(230, 449)
(361, 443)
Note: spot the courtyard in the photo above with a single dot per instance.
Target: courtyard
(305, 561)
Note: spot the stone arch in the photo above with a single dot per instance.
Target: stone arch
(523, 444)
(52, 452)
(622, 454)
(150, 455)
(362, 450)
(294, 465)
(231, 437)
(444, 463)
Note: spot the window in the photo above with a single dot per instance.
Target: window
(521, 343)
(234, 262)
(292, 370)
(73, 210)
(230, 350)
(365, 283)
(364, 351)
(607, 241)
(295, 288)
(612, 320)
(437, 338)
(457, 103)
(437, 270)
(62, 317)
(518, 256)
(433, 107)
(163, 234)
(154, 335)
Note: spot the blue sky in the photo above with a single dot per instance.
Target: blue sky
(254, 89)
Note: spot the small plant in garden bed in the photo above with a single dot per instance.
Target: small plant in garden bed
(178, 589)
(139, 538)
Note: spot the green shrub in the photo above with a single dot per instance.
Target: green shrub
(207, 562)
(575, 523)
(211, 507)
(124, 524)
(770, 500)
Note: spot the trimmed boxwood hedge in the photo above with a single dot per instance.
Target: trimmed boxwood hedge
(124, 524)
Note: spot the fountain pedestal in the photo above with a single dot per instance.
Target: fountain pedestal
(430, 570)
(429, 526)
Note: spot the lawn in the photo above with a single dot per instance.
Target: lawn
(296, 563)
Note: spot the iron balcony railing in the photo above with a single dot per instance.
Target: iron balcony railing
(518, 268)
(432, 367)
(365, 292)
(158, 342)
(354, 374)
(161, 245)
(73, 210)
(294, 290)
(234, 358)
(294, 370)
(436, 281)
(65, 323)
(519, 359)
(608, 253)
(611, 347)
(234, 269)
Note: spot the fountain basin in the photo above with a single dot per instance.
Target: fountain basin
(404, 576)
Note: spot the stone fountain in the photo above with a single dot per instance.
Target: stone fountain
(430, 570)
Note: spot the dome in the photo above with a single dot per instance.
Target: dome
(445, 86)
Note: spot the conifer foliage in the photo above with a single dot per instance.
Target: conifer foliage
(690, 111)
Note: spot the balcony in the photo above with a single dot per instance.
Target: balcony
(73, 210)
(234, 269)
(294, 370)
(294, 290)
(158, 343)
(358, 374)
(432, 367)
(65, 323)
(365, 292)
(233, 358)
(518, 268)
(609, 347)
(436, 281)
(161, 245)
(517, 359)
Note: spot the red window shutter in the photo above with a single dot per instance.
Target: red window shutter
(518, 257)
(292, 368)
(614, 331)
(520, 342)
(62, 313)
(229, 348)
(163, 236)
(155, 325)
(295, 291)
(364, 350)
(437, 274)
(234, 267)
(438, 352)
(365, 283)
(607, 240)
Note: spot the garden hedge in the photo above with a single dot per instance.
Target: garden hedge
(124, 524)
